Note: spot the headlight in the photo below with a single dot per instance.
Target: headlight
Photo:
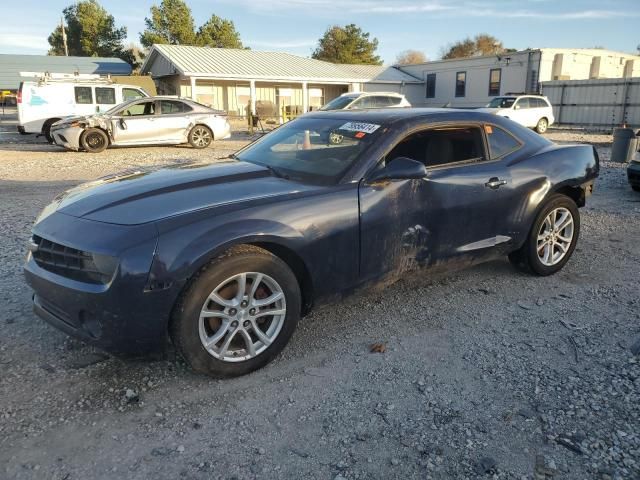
(105, 264)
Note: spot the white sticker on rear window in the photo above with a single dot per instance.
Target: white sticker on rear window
(359, 127)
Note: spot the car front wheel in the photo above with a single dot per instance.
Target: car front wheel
(238, 313)
(94, 140)
(552, 239)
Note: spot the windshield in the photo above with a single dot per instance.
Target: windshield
(502, 102)
(338, 103)
(317, 150)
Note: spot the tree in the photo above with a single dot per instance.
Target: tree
(410, 57)
(482, 44)
(171, 22)
(347, 44)
(91, 32)
(219, 32)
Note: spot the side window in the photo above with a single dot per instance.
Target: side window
(441, 146)
(541, 103)
(522, 104)
(105, 96)
(461, 84)
(364, 102)
(381, 101)
(391, 101)
(138, 109)
(431, 85)
(83, 95)
(131, 94)
(168, 107)
(500, 142)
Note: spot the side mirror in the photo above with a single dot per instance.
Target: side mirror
(400, 168)
(122, 123)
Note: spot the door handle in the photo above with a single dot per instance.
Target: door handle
(495, 183)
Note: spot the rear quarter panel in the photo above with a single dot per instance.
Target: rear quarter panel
(540, 175)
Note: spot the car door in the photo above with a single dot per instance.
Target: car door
(521, 112)
(173, 121)
(135, 123)
(459, 213)
(105, 98)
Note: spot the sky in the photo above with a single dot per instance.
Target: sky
(427, 25)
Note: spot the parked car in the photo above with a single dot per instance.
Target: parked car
(532, 111)
(147, 121)
(366, 100)
(52, 97)
(224, 257)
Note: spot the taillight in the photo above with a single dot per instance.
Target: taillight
(19, 95)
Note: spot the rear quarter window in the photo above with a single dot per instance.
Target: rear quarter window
(500, 141)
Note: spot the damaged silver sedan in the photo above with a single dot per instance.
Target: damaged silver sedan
(148, 121)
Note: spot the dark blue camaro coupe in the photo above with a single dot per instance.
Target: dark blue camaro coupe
(224, 258)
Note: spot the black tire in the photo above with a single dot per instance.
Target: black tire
(526, 258)
(21, 130)
(200, 136)
(542, 125)
(635, 188)
(185, 322)
(46, 129)
(94, 140)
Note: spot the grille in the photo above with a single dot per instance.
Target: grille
(66, 261)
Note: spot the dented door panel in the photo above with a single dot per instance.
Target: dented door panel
(448, 215)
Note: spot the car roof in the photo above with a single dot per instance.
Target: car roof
(366, 94)
(389, 115)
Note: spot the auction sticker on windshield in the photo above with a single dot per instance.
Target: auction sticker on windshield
(359, 127)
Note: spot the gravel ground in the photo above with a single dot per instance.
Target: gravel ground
(486, 373)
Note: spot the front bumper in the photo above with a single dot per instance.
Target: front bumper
(68, 137)
(123, 316)
(633, 173)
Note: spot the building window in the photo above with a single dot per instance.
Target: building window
(431, 85)
(461, 84)
(495, 75)
(316, 98)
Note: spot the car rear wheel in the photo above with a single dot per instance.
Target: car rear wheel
(542, 125)
(94, 140)
(237, 314)
(552, 239)
(200, 136)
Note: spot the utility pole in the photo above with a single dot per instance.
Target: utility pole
(64, 37)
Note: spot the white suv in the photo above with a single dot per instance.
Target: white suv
(533, 111)
(362, 100)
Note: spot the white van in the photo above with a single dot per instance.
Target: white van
(51, 97)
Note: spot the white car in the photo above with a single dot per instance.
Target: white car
(533, 111)
(52, 97)
(148, 121)
(362, 100)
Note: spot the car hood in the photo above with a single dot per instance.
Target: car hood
(90, 120)
(489, 110)
(146, 195)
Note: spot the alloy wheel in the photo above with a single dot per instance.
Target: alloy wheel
(555, 236)
(201, 137)
(242, 316)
